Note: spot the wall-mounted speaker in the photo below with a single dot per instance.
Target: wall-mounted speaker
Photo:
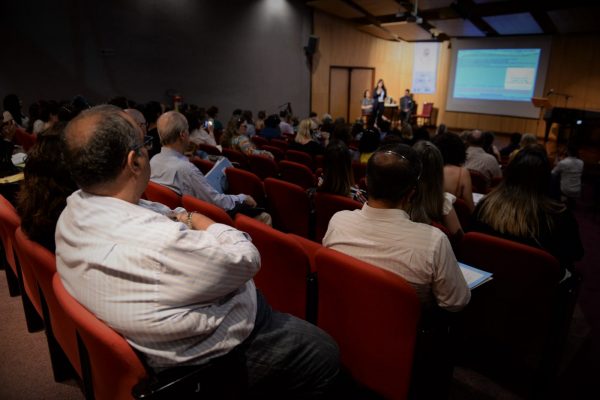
(311, 47)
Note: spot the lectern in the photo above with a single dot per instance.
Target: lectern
(541, 103)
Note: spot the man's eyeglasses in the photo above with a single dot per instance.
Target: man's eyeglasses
(147, 143)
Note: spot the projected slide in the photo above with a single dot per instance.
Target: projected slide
(496, 74)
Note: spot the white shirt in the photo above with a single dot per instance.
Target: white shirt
(179, 296)
(570, 170)
(479, 160)
(284, 127)
(419, 253)
(200, 136)
(172, 169)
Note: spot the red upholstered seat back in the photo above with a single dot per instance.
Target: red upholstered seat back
(241, 181)
(326, 205)
(162, 194)
(213, 212)
(299, 157)
(63, 329)
(284, 266)
(373, 315)
(263, 167)
(297, 173)
(289, 206)
(114, 367)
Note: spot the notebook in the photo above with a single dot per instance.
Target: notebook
(216, 176)
(474, 276)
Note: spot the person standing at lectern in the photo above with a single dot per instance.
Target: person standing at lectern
(379, 95)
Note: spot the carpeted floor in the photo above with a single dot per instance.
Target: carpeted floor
(25, 371)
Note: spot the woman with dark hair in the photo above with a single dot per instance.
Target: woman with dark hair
(337, 173)
(488, 144)
(431, 203)
(13, 104)
(379, 95)
(519, 209)
(44, 191)
(235, 138)
(368, 143)
(457, 180)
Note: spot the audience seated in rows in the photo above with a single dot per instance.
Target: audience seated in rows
(109, 243)
(381, 233)
(44, 191)
(457, 180)
(171, 168)
(519, 209)
(430, 203)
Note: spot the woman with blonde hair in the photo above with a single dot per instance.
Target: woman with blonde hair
(519, 209)
(304, 139)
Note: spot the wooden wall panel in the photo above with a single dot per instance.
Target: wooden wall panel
(574, 69)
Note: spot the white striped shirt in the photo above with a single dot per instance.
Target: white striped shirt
(179, 296)
(419, 253)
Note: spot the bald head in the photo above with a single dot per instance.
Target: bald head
(392, 171)
(476, 138)
(97, 143)
(138, 117)
(170, 125)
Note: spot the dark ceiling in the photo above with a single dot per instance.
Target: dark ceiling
(438, 20)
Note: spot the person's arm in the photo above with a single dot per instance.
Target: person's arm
(216, 261)
(451, 222)
(195, 184)
(449, 286)
(467, 188)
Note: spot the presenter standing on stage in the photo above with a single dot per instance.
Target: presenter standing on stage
(379, 95)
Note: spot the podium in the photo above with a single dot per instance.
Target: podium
(541, 103)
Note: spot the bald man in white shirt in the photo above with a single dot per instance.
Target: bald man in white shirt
(176, 285)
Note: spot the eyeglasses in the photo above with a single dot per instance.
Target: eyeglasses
(147, 143)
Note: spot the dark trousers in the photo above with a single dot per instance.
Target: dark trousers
(283, 358)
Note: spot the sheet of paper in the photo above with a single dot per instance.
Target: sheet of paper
(477, 197)
(474, 276)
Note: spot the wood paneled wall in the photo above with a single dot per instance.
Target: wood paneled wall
(574, 69)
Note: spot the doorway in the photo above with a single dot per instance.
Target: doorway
(346, 88)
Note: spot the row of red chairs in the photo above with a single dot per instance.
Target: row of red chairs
(289, 204)
(516, 321)
(524, 290)
(380, 357)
